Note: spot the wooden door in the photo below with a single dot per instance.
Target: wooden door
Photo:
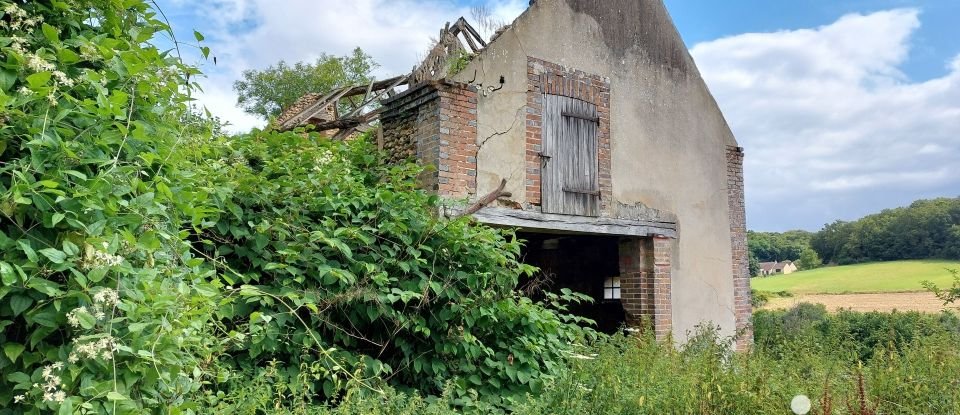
(570, 157)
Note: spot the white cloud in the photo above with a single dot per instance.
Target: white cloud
(827, 118)
(253, 34)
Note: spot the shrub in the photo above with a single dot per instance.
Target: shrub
(342, 262)
(102, 306)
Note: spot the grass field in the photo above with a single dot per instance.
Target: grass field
(876, 277)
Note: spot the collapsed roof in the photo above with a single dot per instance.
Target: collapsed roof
(323, 110)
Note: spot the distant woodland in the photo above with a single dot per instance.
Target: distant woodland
(925, 229)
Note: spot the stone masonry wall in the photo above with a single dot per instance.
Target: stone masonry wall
(738, 242)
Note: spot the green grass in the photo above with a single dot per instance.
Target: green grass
(875, 277)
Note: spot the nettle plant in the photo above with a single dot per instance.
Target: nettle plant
(102, 308)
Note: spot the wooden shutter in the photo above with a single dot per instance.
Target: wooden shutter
(569, 183)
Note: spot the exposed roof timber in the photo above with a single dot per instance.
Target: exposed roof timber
(371, 92)
(454, 39)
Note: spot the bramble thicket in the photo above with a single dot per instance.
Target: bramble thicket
(151, 264)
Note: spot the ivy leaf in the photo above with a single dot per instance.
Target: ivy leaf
(13, 350)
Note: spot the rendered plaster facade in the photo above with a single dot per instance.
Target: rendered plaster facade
(668, 141)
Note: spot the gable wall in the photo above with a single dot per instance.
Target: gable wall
(668, 139)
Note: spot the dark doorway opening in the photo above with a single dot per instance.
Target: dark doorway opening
(587, 264)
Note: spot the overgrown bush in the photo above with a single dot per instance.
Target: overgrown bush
(343, 262)
(102, 307)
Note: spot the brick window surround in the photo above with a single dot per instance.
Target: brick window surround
(549, 78)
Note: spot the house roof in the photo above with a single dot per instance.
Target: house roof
(770, 266)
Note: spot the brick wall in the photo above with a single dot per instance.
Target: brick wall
(738, 243)
(645, 283)
(549, 78)
(435, 123)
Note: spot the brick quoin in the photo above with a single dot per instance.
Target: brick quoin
(436, 124)
(549, 78)
(645, 283)
(738, 242)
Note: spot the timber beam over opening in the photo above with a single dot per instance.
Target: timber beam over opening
(546, 222)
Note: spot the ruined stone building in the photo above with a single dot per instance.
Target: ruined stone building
(586, 125)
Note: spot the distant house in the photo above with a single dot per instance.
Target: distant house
(773, 268)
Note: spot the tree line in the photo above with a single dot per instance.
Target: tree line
(925, 229)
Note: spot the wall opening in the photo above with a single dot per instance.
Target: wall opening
(588, 264)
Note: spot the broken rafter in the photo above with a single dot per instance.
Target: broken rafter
(371, 92)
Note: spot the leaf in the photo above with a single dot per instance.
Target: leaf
(66, 408)
(70, 248)
(50, 33)
(28, 250)
(19, 303)
(7, 79)
(54, 255)
(7, 276)
(38, 79)
(97, 274)
(87, 321)
(115, 396)
(198, 36)
(57, 217)
(45, 286)
(13, 350)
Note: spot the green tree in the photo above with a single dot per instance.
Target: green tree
(267, 92)
(754, 265)
(809, 259)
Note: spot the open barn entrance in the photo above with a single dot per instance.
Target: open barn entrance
(588, 264)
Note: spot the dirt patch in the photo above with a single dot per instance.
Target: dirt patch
(919, 301)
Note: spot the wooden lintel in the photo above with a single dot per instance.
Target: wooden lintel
(547, 222)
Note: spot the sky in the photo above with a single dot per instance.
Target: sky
(844, 108)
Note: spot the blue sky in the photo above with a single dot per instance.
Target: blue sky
(934, 44)
(844, 107)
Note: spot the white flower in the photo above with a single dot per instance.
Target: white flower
(73, 316)
(106, 296)
(48, 397)
(38, 64)
(25, 91)
(12, 9)
(62, 78)
(73, 358)
(52, 99)
(18, 398)
(59, 396)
